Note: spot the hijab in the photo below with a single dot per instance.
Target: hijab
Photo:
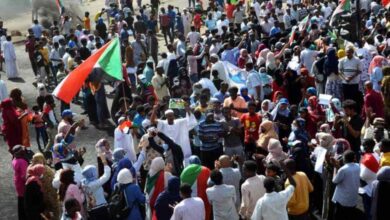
(194, 160)
(266, 102)
(275, 151)
(325, 140)
(168, 197)
(125, 176)
(34, 174)
(277, 111)
(122, 164)
(269, 132)
(246, 97)
(331, 62)
(270, 61)
(340, 146)
(156, 166)
(377, 61)
(38, 158)
(90, 174)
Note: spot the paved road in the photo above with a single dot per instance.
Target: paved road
(87, 138)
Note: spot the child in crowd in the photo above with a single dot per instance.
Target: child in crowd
(272, 170)
(40, 128)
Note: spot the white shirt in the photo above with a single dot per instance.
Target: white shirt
(308, 57)
(251, 190)
(178, 131)
(272, 206)
(189, 209)
(223, 198)
(349, 67)
(57, 38)
(193, 37)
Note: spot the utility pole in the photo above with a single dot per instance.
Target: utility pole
(358, 21)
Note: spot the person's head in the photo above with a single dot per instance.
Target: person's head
(269, 184)
(86, 14)
(251, 108)
(249, 168)
(233, 91)
(209, 117)
(226, 112)
(185, 191)
(290, 165)
(350, 52)
(67, 115)
(349, 156)
(18, 151)
(170, 116)
(385, 145)
(271, 170)
(224, 161)
(224, 87)
(216, 177)
(368, 86)
(368, 145)
(72, 206)
(349, 107)
(66, 178)
(35, 21)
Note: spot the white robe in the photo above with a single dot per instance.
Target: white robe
(125, 142)
(178, 131)
(10, 60)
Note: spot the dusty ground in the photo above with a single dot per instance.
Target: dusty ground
(87, 138)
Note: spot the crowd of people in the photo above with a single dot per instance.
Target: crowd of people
(300, 132)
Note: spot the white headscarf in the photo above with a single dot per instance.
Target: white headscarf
(125, 176)
(156, 166)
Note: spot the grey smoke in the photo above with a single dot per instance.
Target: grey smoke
(46, 11)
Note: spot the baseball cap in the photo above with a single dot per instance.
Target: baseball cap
(67, 112)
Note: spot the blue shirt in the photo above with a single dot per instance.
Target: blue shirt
(347, 182)
(274, 31)
(172, 17)
(37, 30)
(220, 96)
(211, 24)
(209, 134)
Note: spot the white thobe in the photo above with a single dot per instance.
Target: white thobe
(125, 142)
(10, 60)
(178, 131)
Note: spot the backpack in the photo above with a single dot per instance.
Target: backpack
(164, 20)
(117, 207)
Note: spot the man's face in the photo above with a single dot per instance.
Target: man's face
(350, 53)
(227, 113)
(251, 109)
(233, 94)
(170, 118)
(210, 117)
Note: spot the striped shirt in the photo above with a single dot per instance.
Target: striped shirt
(209, 134)
(349, 67)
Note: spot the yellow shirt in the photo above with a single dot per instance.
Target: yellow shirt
(299, 202)
(45, 53)
(385, 159)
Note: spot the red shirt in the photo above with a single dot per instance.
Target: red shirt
(374, 100)
(251, 125)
